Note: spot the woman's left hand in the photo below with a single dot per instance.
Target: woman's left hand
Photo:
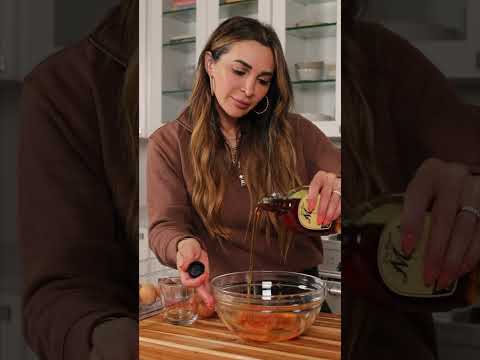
(453, 195)
(328, 186)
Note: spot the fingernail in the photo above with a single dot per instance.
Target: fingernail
(408, 242)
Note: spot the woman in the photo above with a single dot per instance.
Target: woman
(78, 196)
(236, 142)
(405, 130)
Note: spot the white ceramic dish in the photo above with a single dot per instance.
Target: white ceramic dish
(310, 71)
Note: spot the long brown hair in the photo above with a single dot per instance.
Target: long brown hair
(129, 109)
(267, 152)
(360, 173)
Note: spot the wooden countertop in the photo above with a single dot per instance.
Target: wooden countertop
(210, 339)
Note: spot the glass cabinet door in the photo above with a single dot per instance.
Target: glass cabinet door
(176, 31)
(230, 8)
(178, 55)
(310, 47)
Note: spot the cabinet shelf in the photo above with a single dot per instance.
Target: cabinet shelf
(321, 30)
(310, 82)
(187, 42)
(176, 92)
(184, 15)
(225, 4)
(313, 2)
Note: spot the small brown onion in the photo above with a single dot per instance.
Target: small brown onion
(147, 294)
(202, 310)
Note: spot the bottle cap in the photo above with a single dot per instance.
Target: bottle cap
(195, 269)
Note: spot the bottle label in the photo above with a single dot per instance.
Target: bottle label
(403, 274)
(307, 218)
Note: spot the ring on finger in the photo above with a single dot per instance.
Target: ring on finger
(471, 210)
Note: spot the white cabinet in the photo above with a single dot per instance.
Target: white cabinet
(447, 32)
(308, 30)
(310, 33)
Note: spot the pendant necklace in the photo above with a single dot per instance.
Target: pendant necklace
(243, 182)
(234, 154)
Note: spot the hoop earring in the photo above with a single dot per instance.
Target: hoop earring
(266, 107)
(212, 85)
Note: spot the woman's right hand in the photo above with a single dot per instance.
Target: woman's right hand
(188, 251)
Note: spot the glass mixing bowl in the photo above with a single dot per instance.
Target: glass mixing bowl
(280, 305)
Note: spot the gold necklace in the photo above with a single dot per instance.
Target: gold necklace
(234, 156)
(241, 177)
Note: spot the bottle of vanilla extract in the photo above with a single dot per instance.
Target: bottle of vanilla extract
(292, 209)
(373, 262)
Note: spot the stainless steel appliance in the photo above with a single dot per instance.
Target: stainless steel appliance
(329, 271)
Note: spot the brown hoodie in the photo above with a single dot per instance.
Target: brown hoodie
(79, 267)
(173, 218)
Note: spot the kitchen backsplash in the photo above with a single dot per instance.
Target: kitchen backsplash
(148, 263)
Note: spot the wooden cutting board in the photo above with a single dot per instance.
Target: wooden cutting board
(210, 339)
